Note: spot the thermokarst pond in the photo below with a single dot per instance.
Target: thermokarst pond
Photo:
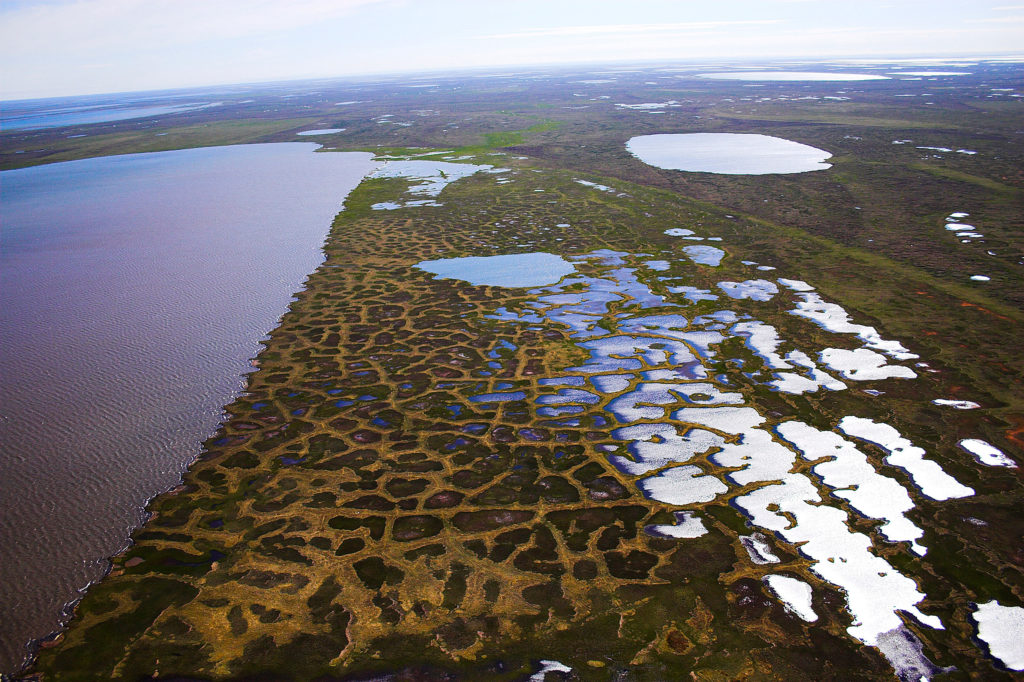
(728, 153)
(513, 270)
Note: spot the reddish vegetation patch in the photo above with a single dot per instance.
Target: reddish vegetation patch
(965, 304)
(1016, 434)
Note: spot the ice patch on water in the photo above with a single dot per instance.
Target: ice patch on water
(682, 485)
(927, 475)
(763, 339)
(905, 654)
(687, 525)
(986, 453)
(754, 289)
(612, 383)
(863, 365)
(694, 294)
(833, 318)
(704, 255)
(647, 399)
(549, 667)
(1002, 630)
(795, 594)
(795, 284)
(875, 591)
(434, 175)
(758, 549)
(655, 446)
(851, 477)
(957, 404)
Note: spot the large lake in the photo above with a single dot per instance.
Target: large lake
(134, 290)
(34, 118)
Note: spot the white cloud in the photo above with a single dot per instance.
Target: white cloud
(624, 29)
(1000, 20)
(87, 25)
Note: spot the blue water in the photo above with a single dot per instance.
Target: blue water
(56, 118)
(134, 290)
(514, 270)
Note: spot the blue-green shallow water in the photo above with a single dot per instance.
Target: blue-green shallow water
(134, 290)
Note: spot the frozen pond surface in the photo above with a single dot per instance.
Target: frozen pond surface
(321, 131)
(514, 270)
(758, 549)
(957, 404)
(727, 153)
(792, 76)
(687, 525)
(128, 316)
(704, 255)
(795, 594)
(987, 454)
(926, 474)
(1002, 629)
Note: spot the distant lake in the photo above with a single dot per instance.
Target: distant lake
(792, 76)
(727, 153)
(70, 116)
(134, 290)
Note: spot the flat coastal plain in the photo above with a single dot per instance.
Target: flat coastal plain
(733, 432)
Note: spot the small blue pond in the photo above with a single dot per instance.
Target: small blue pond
(514, 270)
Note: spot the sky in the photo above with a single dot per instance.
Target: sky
(54, 48)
